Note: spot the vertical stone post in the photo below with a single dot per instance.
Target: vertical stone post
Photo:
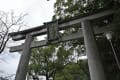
(24, 60)
(94, 62)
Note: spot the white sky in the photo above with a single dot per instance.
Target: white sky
(39, 11)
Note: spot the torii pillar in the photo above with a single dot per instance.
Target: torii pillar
(95, 66)
(24, 60)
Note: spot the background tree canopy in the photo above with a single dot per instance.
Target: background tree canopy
(58, 64)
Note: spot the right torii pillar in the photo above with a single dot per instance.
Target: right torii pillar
(94, 62)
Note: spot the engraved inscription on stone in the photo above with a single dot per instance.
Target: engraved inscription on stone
(52, 29)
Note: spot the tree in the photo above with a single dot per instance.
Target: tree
(71, 8)
(65, 9)
(8, 22)
(52, 61)
(74, 71)
(47, 61)
(41, 61)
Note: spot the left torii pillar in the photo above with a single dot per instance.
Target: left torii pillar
(24, 60)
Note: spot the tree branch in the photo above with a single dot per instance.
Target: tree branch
(8, 21)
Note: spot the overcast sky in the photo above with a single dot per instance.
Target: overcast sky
(38, 11)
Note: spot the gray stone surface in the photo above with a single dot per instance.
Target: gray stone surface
(94, 62)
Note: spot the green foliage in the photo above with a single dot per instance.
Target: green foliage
(73, 71)
(62, 54)
(71, 8)
(56, 63)
(41, 57)
(46, 61)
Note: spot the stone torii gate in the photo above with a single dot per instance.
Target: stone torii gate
(51, 29)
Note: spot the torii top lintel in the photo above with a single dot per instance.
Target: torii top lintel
(40, 30)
